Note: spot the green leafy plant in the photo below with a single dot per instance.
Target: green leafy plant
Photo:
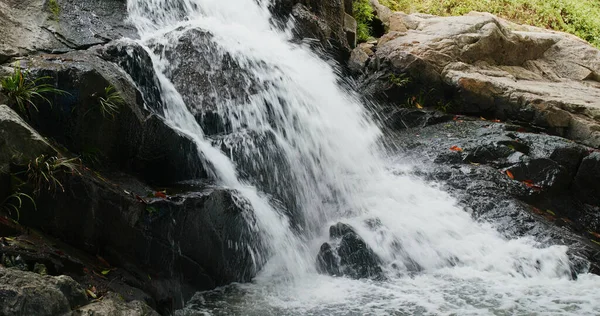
(13, 203)
(363, 13)
(400, 81)
(54, 8)
(110, 102)
(24, 91)
(43, 171)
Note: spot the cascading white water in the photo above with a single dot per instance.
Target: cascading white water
(338, 173)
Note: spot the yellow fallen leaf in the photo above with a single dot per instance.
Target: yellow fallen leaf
(91, 294)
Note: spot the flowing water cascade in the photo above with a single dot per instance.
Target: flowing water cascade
(271, 122)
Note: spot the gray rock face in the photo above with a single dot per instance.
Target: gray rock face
(36, 26)
(28, 293)
(112, 305)
(489, 66)
(19, 142)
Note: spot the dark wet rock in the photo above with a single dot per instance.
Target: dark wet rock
(410, 118)
(188, 242)
(133, 140)
(357, 260)
(114, 305)
(350, 257)
(28, 293)
(331, 22)
(524, 183)
(34, 26)
(542, 172)
(587, 180)
(136, 62)
(327, 261)
(260, 160)
(339, 230)
(208, 78)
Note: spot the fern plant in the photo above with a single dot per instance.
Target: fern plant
(24, 91)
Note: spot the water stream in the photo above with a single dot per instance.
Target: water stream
(307, 155)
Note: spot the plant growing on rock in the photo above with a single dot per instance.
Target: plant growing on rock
(363, 13)
(400, 81)
(13, 203)
(23, 91)
(54, 8)
(110, 102)
(43, 172)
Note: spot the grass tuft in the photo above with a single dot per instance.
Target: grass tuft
(23, 91)
(110, 102)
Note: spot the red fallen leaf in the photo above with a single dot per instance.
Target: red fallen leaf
(509, 174)
(161, 195)
(531, 184)
(456, 148)
(521, 130)
(86, 270)
(595, 234)
(496, 121)
(60, 253)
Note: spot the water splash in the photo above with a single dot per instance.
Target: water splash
(323, 165)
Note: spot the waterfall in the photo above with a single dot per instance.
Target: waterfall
(305, 154)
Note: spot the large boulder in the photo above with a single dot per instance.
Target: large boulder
(28, 293)
(59, 26)
(19, 142)
(488, 66)
(135, 139)
(185, 243)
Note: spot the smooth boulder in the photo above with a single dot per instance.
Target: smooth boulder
(485, 65)
(28, 293)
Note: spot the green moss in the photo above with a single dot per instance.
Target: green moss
(363, 13)
(54, 8)
(578, 17)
